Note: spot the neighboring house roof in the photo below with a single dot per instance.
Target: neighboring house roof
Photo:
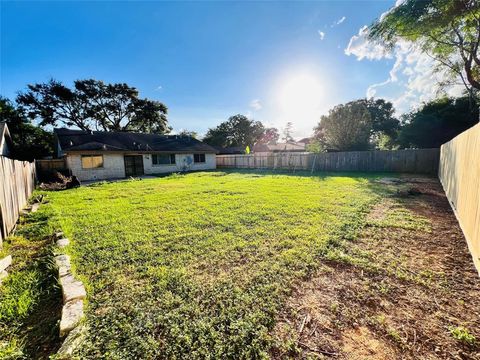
(306, 140)
(279, 147)
(5, 139)
(79, 140)
(230, 150)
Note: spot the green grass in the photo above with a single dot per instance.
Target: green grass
(30, 300)
(199, 265)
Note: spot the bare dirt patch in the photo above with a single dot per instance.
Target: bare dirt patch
(404, 290)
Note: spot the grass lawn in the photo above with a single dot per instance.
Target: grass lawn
(30, 300)
(247, 265)
(199, 265)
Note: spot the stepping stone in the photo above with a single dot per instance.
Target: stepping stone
(73, 341)
(72, 289)
(5, 262)
(72, 313)
(63, 264)
(35, 207)
(63, 242)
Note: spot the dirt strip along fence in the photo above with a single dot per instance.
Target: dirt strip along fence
(17, 182)
(420, 161)
(459, 174)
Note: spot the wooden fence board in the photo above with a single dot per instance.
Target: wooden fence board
(424, 161)
(17, 182)
(459, 174)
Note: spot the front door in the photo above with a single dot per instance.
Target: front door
(133, 165)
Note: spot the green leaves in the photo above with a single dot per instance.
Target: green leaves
(239, 130)
(445, 29)
(93, 104)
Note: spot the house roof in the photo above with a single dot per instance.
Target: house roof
(290, 146)
(5, 135)
(79, 140)
(306, 140)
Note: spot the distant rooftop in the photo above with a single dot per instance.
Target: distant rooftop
(279, 147)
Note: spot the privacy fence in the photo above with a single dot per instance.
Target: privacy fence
(17, 182)
(422, 161)
(459, 174)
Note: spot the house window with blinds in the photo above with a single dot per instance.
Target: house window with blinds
(92, 161)
(163, 159)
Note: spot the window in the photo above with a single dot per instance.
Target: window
(199, 158)
(163, 159)
(92, 161)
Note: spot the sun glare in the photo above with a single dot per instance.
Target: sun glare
(300, 98)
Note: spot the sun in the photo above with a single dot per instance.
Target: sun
(300, 97)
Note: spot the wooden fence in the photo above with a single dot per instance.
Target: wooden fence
(17, 182)
(422, 161)
(459, 174)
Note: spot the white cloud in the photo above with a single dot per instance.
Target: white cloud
(339, 21)
(256, 104)
(414, 77)
(362, 48)
(321, 34)
(158, 88)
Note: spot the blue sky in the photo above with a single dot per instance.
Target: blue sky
(274, 61)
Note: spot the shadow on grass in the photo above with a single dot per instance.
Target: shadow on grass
(30, 299)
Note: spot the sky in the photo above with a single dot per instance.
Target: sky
(272, 61)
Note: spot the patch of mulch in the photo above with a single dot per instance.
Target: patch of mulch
(401, 301)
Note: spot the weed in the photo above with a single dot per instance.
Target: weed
(462, 334)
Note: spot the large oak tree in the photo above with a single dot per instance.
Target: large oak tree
(94, 105)
(238, 130)
(356, 125)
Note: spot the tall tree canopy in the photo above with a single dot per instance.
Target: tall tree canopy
(346, 127)
(94, 105)
(357, 125)
(447, 30)
(188, 133)
(270, 136)
(238, 130)
(29, 142)
(437, 122)
(287, 132)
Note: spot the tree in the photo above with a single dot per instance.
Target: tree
(316, 146)
(346, 127)
(437, 122)
(238, 130)
(287, 132)
(270, 136)
(94, 105)
(447, 30)
(187, 133)
(29, 142)
(384, 126)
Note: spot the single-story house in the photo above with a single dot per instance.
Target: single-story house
(108, 155)
(6, 144)
(288, 147)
